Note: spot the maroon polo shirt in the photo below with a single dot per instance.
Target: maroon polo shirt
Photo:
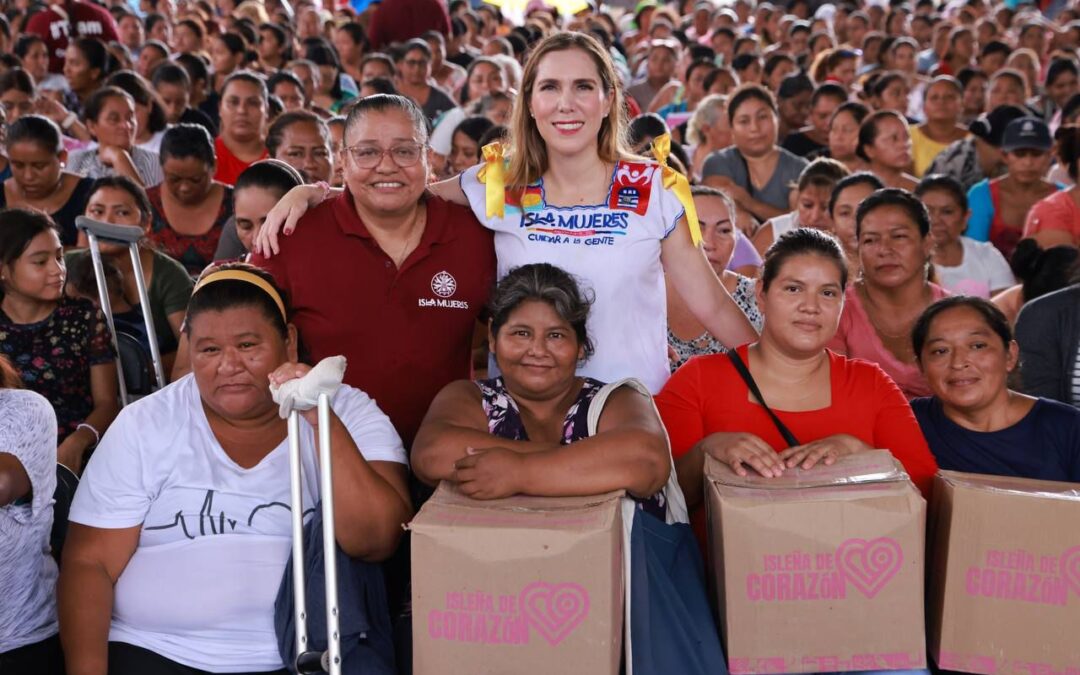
(406, 333)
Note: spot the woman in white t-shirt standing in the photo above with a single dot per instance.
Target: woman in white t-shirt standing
(963, 265)
(28, 629)
(181, 529)
(567, 191)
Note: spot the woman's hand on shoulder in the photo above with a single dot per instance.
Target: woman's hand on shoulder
(825, 450)
(284, 216)
(740, 450)
(51, 108)
(490, 473)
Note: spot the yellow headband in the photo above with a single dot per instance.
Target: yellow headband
(247, 277)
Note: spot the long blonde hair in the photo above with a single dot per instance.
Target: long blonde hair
(528, 158)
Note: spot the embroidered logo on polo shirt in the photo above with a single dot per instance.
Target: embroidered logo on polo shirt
(444, 285)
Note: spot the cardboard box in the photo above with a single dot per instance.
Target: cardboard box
(522, 585)
(819, 570)
(1005, 580)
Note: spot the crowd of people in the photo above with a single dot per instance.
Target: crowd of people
(562, 253)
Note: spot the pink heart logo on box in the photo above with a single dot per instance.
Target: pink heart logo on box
(869, 564)
(554, 609)
(1070, 567)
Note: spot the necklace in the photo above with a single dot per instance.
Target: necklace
(418, 226)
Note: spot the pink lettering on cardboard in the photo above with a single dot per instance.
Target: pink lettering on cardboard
(868, 565)
(553, 610)
(1024, 576)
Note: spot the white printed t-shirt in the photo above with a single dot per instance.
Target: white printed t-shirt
(215, 537)
(612, 249)
(982, 270)
(27, 569)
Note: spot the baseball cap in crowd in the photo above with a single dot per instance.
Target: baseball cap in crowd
(1026, 133)
(793, 85)
(990, 126)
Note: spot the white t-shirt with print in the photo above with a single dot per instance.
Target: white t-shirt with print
(215, 537)
(612, 249)
(982, 270)
(27, 569)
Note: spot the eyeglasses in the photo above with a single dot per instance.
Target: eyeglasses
(370, 156)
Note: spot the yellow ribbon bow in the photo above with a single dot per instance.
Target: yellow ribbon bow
(493, 176)
(674, 181)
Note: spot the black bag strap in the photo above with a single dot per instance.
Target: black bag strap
(749, 178)
(744, 373)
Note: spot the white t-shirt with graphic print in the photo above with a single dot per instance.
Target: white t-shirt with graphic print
(215, 537)
(612, 249)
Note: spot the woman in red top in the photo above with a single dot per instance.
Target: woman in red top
(832, 405)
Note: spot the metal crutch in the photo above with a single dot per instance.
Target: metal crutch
(312, 661)
(130, 235)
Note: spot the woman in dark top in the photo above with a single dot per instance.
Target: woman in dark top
(119, 200)
(60, 345)
(974, 422)
(190, 208)
(527, 431)
(38, 181)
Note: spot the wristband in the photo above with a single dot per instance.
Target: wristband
(91, 429)
(325, 189)
(68, 122)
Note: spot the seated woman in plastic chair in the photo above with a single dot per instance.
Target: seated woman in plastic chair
(181, 529)
(527, 430)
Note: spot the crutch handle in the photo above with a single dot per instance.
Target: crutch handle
(121, 233)
(309, 663)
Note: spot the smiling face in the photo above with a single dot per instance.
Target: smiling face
(537, 350)
(568, 102)
(233, 352)
(965, 362)
(802, 305)
(891, 249)
(38, 274)
(386, 188)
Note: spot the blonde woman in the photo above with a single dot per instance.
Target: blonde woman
(565, 190)
(707, 131)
